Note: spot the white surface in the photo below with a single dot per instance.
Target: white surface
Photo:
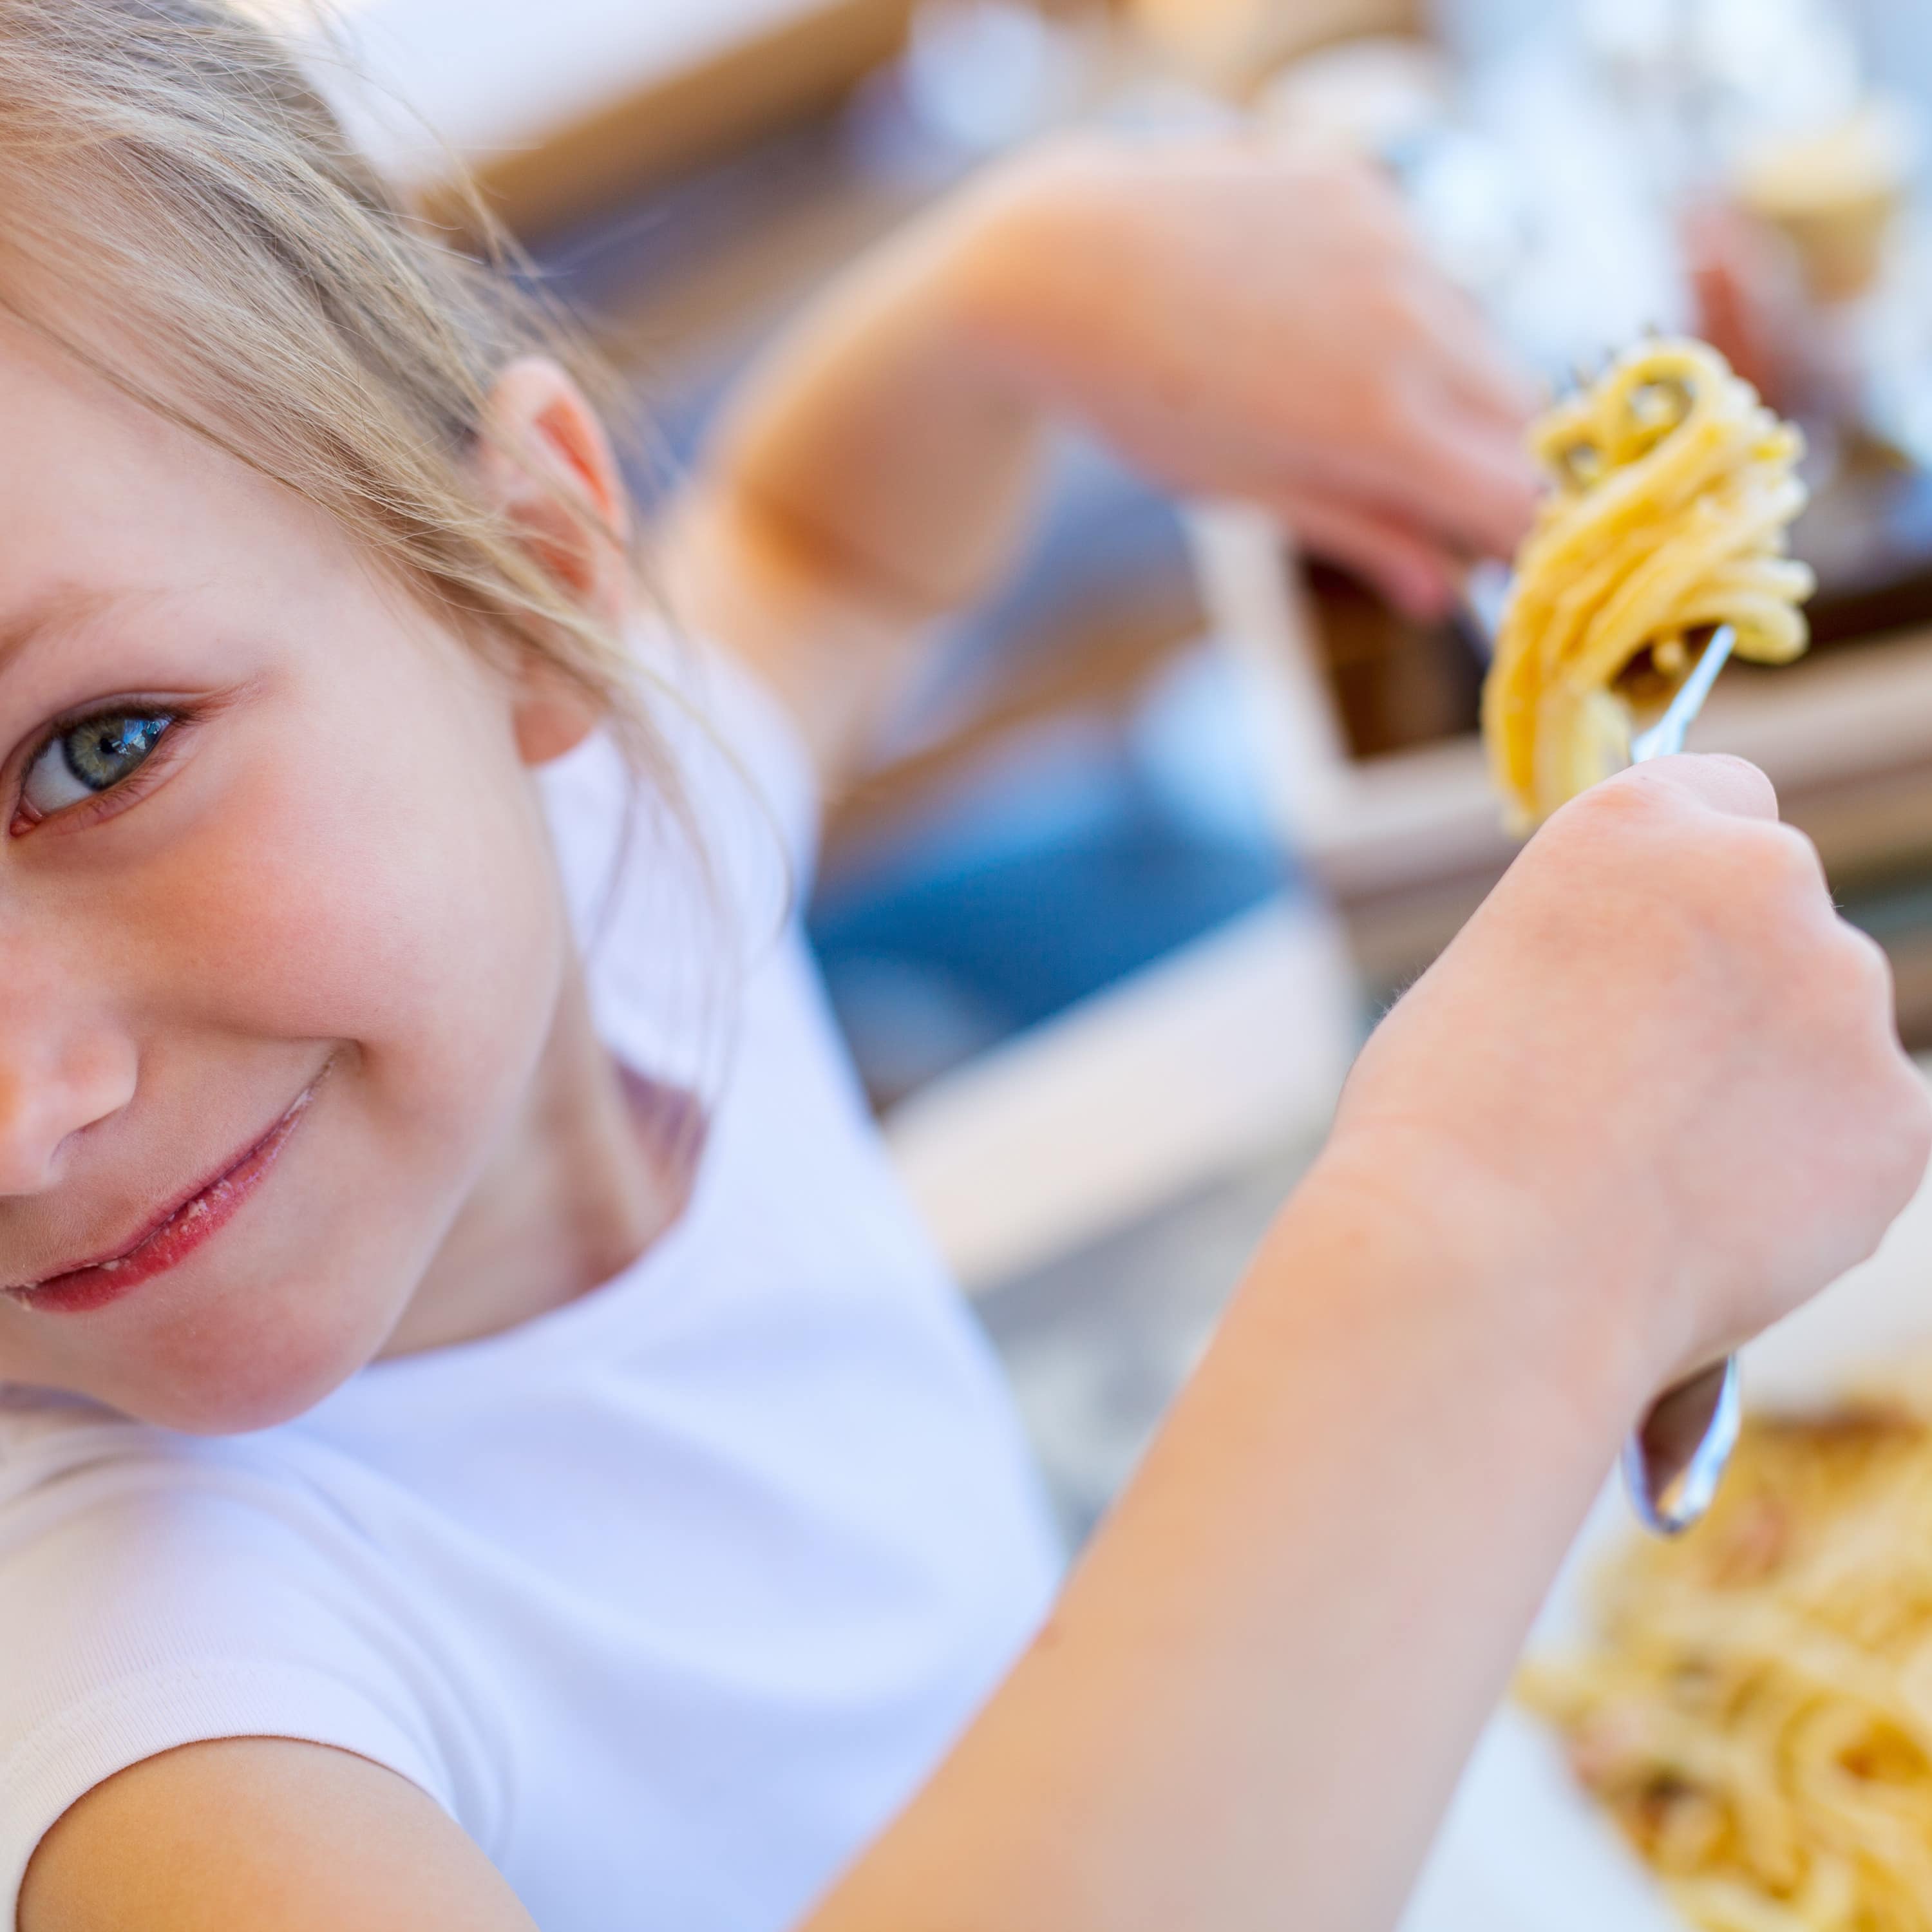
(1230, 1046)
(1523, 1850)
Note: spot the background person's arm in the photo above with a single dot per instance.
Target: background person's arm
(1236, 318)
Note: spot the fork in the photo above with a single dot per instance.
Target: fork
(1676, 1457)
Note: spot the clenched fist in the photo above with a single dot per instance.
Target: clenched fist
(1658, 1058)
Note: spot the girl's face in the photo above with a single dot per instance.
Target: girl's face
(281, 942)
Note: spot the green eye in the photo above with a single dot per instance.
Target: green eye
(92, 756)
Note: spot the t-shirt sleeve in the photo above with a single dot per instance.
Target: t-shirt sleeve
(139, 1613)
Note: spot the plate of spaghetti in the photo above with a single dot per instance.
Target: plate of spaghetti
(1732, 1731)
(1752, 1705)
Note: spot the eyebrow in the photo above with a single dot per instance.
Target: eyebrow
(66, 608)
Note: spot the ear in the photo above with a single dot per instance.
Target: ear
(544, 461)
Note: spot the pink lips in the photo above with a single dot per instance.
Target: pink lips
(172, 1236)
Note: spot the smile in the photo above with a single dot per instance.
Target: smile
(171, 1236)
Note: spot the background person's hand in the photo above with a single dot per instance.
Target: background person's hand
(1659, 1056)
(1238, 318)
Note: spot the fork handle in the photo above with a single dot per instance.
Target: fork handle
(1676, 1457)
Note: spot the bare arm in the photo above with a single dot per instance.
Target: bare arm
(1236, 319)
(1593, 1149)
(265, 1834)
(1650, 1100)
(1247, 1712)
(1253, 1701)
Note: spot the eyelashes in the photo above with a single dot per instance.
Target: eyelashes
(96, 763)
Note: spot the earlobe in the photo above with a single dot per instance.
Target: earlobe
(549, 724)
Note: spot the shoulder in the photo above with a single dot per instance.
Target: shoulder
(277, 1836)
(157, 1591)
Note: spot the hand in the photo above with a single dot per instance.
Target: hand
(1244, 319)
(1238, 319)
(1658, 1058)
(1752, 305)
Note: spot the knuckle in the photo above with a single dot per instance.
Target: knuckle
(1775, 871)
(1915, 1133)
(1914, 1112)
(1791, 861)
(1623, 806)
(1902, 1138)
(1869, 966)
(1851, 996)
(1743, 775)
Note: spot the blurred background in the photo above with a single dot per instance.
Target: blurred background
(1137, 864)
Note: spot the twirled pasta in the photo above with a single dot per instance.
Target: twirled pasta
(1675, 487)
(1756, 1709)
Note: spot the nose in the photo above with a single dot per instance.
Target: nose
(60, 1071)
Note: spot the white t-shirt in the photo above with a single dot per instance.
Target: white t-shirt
(670, 1598)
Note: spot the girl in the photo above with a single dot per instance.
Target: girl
(470, 1457)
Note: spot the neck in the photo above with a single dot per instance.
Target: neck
(591, 1178)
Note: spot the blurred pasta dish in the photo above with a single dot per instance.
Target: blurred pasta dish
(1756, 1709)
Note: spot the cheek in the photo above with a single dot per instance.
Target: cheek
(424, 934)
(392, 899)
(418, 920)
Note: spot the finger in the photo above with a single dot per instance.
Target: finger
(1472, 493)
(1462, 476)
(1428, 463)
(1733, 786)
(1416, 575)
(1475, 366)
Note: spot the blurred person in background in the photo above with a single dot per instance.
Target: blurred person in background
(1248, 319)
(455, 1469)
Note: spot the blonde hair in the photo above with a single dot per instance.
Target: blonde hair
(171, 158)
